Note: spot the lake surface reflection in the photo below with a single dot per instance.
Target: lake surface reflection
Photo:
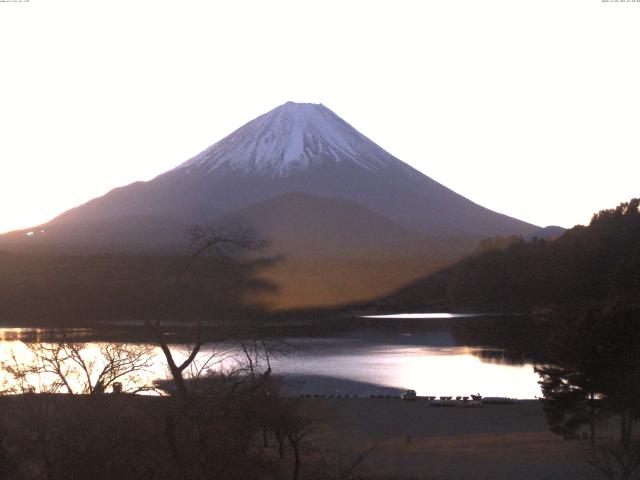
(358, 362)
(429, 363)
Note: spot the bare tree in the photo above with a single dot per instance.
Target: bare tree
(613, 462)
(207, 431)
(343, 464)
(216, 245)
(297, 426)
(70, 367)
(9, 468)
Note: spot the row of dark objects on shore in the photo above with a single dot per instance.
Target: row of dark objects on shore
(433, 401)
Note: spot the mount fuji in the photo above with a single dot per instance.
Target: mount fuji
(326, 196)
(305, 148)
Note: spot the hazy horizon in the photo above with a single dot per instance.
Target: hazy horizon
(529, 110)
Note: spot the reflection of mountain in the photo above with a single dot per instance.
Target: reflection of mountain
(352, 220)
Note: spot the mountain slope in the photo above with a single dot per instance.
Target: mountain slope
(305, 148)
(335, 251)
(131, 234)
(302, 225)
(351, 220)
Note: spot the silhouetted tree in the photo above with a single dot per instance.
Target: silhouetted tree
(63, 366)
(596, 372)
(216, 248)
(298, 424)
(569, 401)
(612, 462)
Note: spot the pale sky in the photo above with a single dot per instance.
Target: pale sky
(530, 108)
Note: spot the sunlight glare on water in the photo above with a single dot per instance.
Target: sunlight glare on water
(425, 315)
(390, 361)
(429, 371)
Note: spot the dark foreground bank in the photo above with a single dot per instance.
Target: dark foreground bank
(375, 438)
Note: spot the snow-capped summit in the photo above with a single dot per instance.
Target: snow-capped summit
(349, 219)
(297, 147)
(290, 138)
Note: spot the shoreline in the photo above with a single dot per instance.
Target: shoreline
(405, 439)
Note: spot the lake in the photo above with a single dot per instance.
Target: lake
(433, 359)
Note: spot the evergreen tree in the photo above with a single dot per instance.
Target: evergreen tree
(596, 372)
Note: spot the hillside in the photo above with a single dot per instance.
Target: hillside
(587, 265)
(349, 220)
